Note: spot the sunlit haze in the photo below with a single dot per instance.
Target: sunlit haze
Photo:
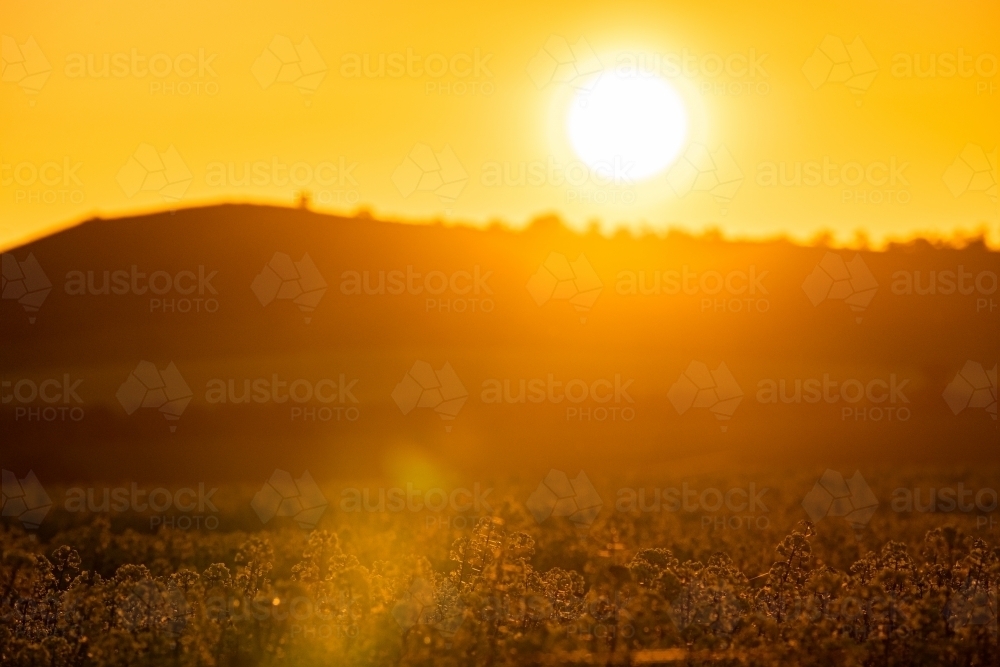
(499, 334)
(823, 117)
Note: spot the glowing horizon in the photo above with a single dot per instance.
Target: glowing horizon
(845, 124)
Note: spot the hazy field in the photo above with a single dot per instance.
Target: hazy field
(517, 579)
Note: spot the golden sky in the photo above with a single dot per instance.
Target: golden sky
(888, 111)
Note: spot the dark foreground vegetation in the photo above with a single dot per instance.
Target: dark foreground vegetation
(631, 589)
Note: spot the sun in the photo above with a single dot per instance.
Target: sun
(634, 125)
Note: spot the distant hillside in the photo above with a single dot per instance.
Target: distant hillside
(342, 309)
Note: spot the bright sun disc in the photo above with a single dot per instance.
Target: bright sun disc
(636, 124)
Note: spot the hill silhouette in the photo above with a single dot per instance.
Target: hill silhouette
(540, 348)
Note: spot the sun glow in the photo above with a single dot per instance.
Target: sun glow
(632, 125)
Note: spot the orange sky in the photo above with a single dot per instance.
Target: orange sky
(192, 88)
